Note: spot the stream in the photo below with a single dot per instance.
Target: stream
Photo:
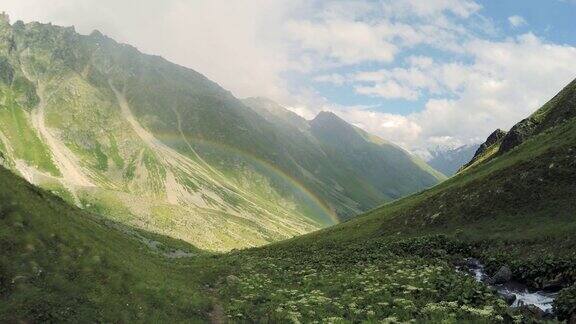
(540, 299)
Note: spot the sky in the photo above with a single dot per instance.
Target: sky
(418, 73)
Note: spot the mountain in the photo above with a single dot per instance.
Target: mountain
(404, 261)
(555, 112)
(450, 160)
(160, 147)
(362, 169)
(513, 213)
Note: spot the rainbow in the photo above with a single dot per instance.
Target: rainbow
(324, 214)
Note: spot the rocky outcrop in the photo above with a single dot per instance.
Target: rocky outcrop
(494, 138)
(518, 134)
(555, 112)
(509, 298)
(503, 275)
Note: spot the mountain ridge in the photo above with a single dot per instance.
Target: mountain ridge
(161, 147)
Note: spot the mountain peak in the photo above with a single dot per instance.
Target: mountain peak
(327, 115)
(328, 118)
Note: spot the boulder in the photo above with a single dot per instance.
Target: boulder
(531, 312)
(503, 275)
(509, 298)
(554, 284)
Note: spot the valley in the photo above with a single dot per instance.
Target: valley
(136, 190)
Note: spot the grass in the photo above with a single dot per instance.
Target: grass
(369, 282)
(61, 264)
(387, 266)
(25, 143)
(393, 264)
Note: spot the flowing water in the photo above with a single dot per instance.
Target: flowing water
(524, 296)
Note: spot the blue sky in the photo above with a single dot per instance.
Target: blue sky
(554, 21)
(418, 73)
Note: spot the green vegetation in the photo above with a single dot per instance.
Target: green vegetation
(94, 113)
(396, 263)
(24, 142)
(376, 280)
(58, 264)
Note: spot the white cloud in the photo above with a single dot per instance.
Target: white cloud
(431, 8)
(344, 41)
(395, 128)
(250, 46)
(505, 82)
(389, 90)
(239, 44)
(334, 78)
(517, 21)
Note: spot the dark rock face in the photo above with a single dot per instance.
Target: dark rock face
(518, 134)
(503, 275)
(509, 298)
(556, 111)
(494, 138)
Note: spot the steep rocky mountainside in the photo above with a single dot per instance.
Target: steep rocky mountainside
(159, 146)
(554, 113)
(375, 169)
(450, 160)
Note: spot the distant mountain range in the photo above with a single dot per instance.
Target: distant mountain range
(158, 146)
(450, 160)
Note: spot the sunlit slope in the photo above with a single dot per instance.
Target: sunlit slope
(71, 129)
(161, 147)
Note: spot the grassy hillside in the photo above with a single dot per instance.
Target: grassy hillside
(160, 147)
(58, 263)
(396, 262)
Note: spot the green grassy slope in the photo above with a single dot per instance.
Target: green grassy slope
(67, 127)
(393, 264)
(518, 209)
(350, 166)
(58, 263)
(188, 106)
(109, 128)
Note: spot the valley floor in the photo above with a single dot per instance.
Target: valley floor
(397, 263)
